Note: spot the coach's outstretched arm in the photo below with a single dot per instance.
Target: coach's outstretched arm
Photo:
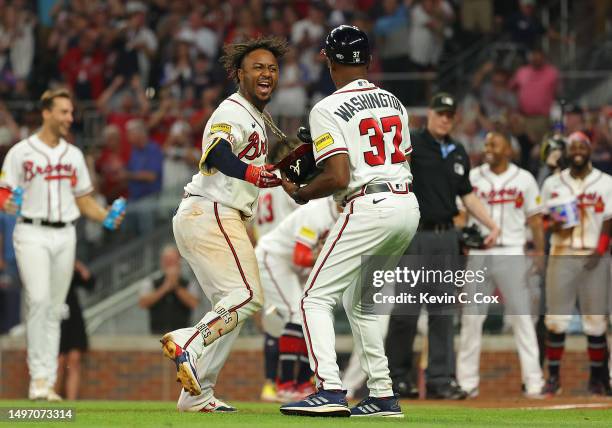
(478, 210)
(91, 209)
(335, 177)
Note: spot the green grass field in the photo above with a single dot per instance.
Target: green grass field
(253, 415)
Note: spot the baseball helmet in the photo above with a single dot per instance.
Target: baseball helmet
(348, 45)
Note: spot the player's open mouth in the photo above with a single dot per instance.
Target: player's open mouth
(264, 87)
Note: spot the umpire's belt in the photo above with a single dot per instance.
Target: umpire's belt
(400, 188)
(436, 227)
(41, 222)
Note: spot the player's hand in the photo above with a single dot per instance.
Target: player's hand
(592, 260)
(261, 176)
(118, 221)
(491, 239)
(10, 207)
(289, 186)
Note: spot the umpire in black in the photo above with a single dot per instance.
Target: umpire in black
(440, 168)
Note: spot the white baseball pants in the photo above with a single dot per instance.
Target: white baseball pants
(364, 228)
(507, 269)
(281, 285)
(45, 257)
(213, 240)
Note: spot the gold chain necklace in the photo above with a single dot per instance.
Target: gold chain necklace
(268, 121)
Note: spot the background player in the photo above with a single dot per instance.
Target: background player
(361, 139)
(57, 190)
(273, 206)
(583, 277)
(512, 197)
(285, 257)
(209, 226)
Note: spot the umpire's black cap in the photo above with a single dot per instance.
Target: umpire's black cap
(347, 45)
(442, 102)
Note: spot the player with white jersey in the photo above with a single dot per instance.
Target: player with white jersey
(285, 257)
(512, 197)
(360, 140)
(579, 201)
(210, 223)
(57, 189)
(272, 207)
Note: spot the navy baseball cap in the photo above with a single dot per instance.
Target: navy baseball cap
(443, 102)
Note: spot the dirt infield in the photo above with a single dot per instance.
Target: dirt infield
(556, 403)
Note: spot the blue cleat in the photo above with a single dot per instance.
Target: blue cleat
(185, 365)
(375, 406)
(322, 403)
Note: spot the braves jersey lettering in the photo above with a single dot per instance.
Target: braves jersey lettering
(367, 101)
(371, 126)
(593, 195)
(236, 121)
(255, 149)
(504, 196)
(51, 178)
(511, 198)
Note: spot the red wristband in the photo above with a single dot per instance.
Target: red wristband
(252, 174)
(603, 244)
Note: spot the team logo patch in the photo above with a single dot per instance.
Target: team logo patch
(221, 127)
(296, 167)
(459, 169)
(308, 233)
(323, 141)
(538, 200)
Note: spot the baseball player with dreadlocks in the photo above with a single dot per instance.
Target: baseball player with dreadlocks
(210, 223)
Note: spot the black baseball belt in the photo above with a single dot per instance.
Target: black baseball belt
(379, 188)
(46, 223)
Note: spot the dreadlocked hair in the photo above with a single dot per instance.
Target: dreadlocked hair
(234, 54)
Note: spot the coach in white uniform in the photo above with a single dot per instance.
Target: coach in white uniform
(57, 189)
(512, 197)
(210, 224)
(361, 141)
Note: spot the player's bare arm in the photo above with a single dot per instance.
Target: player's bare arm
(91, 209)
(475, 207)
(334, 177)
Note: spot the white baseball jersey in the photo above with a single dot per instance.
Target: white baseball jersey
(371, 126)
(594, 197)
(304, 225)
(511, 198)
(273, 206)
(51, 178)
(242, 125)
